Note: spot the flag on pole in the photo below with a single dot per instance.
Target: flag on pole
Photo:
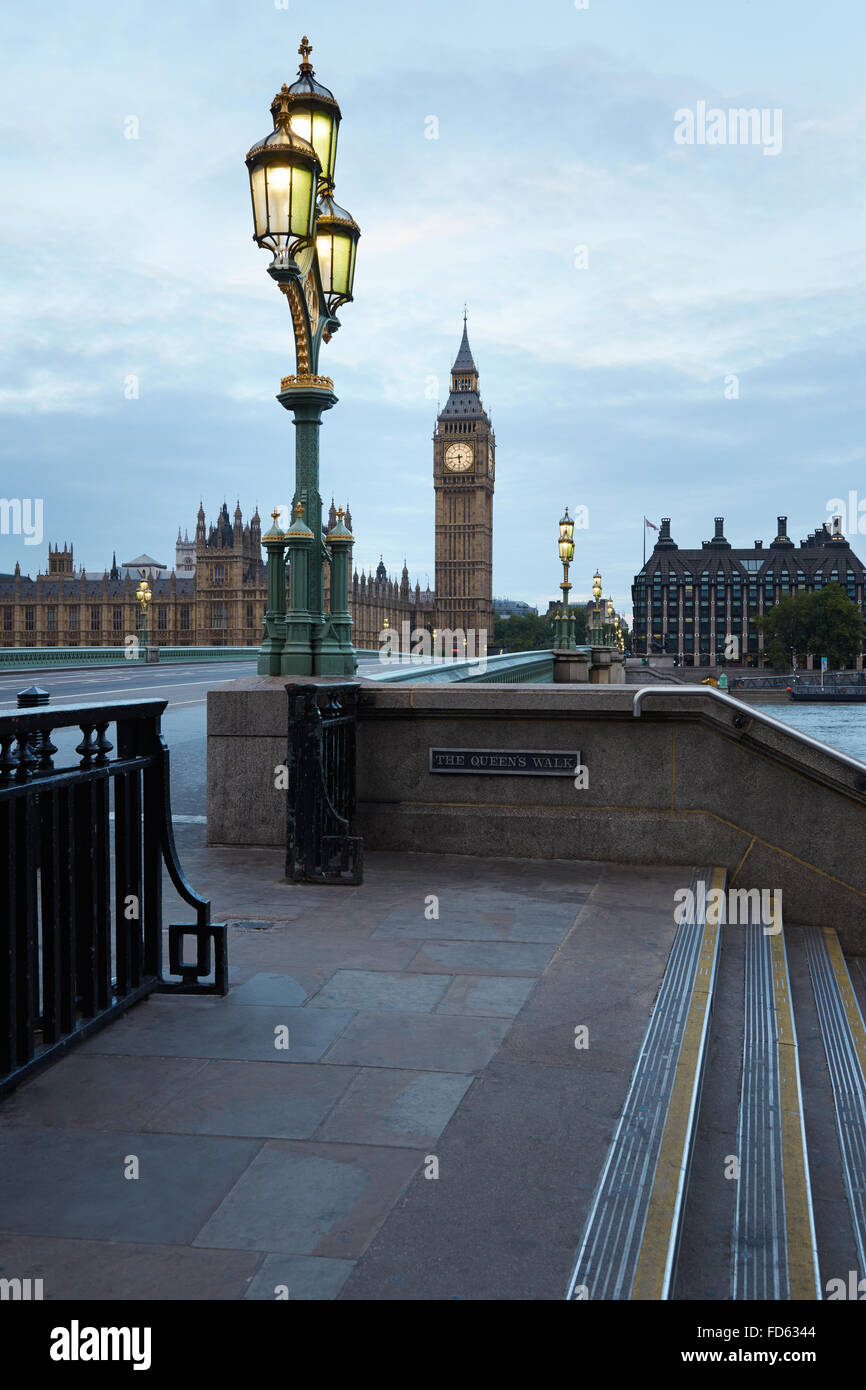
(651, 523)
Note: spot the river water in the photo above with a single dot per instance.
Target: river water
(842, 726)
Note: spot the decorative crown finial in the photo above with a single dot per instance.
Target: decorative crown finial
(305, 50)
(276, 515)
(299, 508)
(340, 513)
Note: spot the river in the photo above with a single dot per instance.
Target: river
(842, 726)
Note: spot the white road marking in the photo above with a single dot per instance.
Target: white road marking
(135, 688)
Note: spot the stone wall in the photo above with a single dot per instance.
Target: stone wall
(682, 785)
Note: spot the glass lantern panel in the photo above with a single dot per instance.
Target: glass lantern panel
(341, 263)
(303, 190)
(279, 183)
(324, 250)
(319, 129)
(260, 202)
(324, 142)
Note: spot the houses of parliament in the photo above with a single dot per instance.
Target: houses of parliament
(216, 593)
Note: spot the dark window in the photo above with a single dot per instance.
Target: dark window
(162, 618)
(249, 615)
(218, 615)
(95, 623)
(184, 617)
(117, 619)
(7, 619)
(73, 618)
(51, 619)
(29, 619)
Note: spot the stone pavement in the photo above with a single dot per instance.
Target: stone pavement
(388, 1105)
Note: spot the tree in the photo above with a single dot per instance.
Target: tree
(527, 633)
(837, 630)
(824, 623)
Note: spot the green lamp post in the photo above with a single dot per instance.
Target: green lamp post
(563, 622)
(609, 635)
(313, 242)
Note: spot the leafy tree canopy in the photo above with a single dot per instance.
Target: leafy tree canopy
(823, 623)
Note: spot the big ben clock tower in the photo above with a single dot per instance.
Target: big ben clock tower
(463, 479)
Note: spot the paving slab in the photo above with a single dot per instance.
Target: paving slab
(472, 917)
(482, 957)
(294, 1277)
(255, 1099)
(268, 988)
(406, 1108)
(171, 1028)
(314, 1199)
(89, 1091)
(70, 1183)
(120, 1270)
(486, 996)
(419, 1042)
(379, 989)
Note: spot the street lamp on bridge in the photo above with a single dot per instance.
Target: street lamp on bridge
(563, 621)
(596, 637)
(143, 594)
(313, 242)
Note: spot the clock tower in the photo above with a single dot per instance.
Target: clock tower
(463, 479)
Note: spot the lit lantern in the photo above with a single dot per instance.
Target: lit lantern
(566, 539)
(314, 115)
(284, 171)
(337, 235)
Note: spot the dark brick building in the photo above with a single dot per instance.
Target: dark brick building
(701, 605)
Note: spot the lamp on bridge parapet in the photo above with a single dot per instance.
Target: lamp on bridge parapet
(313, 242)
(563, 625)
(143, 594)
(596, 634)
(609, 634)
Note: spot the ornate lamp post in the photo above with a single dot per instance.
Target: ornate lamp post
(313, 242)
(609, 634)
(563, 622)
(144, 595)
(596, 593)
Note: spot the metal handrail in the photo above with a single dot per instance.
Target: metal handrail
(749, 712)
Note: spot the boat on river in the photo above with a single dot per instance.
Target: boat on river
(837, 688)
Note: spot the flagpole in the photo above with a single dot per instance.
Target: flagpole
(644, 542)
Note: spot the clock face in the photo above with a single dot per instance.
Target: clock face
(490, 466)
(458, 457)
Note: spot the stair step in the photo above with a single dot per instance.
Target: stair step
(844, 1037)
(773, 1247)
(630, 1242)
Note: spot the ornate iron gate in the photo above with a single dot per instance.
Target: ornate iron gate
(78, 943)
(321, 793)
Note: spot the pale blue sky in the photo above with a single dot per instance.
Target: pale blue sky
(606, 384)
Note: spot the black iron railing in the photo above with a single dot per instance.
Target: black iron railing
(321, 792)
(81, 917)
